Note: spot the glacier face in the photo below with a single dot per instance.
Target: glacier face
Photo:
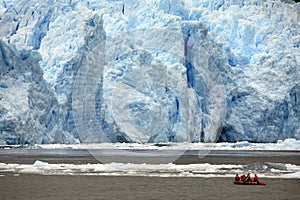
(149, 71)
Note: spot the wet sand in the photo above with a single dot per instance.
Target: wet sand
(111, 187)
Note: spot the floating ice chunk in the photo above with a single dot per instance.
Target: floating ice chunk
(241, 144)
(275, 170)
(292, 175)
(289, 142)
(40, 164)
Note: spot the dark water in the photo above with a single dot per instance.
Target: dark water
(104, 187)
(83, 156)
(29, 186)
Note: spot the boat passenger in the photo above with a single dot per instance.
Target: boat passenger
(236, 178)
(248, 178)
(255, 179)
(243, 178)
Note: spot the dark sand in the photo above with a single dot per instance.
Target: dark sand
(104, 187)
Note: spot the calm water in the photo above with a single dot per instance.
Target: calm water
(46, 187)
(105, 187)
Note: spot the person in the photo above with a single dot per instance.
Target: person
(255, 178)
(237, 178)
(248, 178)
(243, 178)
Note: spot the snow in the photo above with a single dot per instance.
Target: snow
(150, 71)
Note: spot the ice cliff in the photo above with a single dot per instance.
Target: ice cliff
(149, 71)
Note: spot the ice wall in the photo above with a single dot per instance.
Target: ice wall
(149, 71)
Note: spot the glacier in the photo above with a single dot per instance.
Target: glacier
(86, 71)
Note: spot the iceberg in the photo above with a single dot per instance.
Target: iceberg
(78, 71)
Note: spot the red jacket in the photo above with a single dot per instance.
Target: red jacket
(237, 178)
(243, 177)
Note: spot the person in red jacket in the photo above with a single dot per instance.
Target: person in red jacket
(243, 178)
(236, 178)
(255, 179)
